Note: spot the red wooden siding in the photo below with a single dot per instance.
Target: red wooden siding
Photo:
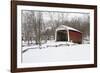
(75, 36)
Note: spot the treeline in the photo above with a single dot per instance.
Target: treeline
(40, 26)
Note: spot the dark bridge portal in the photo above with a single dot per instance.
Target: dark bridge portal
(62, 35)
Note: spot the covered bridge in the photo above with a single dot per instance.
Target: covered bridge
(65, 33)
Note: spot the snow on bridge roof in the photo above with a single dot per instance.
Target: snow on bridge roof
(63, 27)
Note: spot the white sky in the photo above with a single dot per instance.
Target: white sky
(47, 15)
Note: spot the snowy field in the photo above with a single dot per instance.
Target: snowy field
(55, 52)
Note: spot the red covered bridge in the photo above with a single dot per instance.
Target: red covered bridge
(65, 33)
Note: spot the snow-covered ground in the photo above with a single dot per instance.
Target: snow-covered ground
(45, 45)
(56, 52)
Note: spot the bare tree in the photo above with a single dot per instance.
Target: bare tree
(35, 26)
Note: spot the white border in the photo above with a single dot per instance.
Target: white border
(23, 65)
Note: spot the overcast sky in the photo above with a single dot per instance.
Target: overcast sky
(62, 15)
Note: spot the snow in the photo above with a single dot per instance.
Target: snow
(86, 40)
(57, 53)
(63, 27)
(46, 45)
